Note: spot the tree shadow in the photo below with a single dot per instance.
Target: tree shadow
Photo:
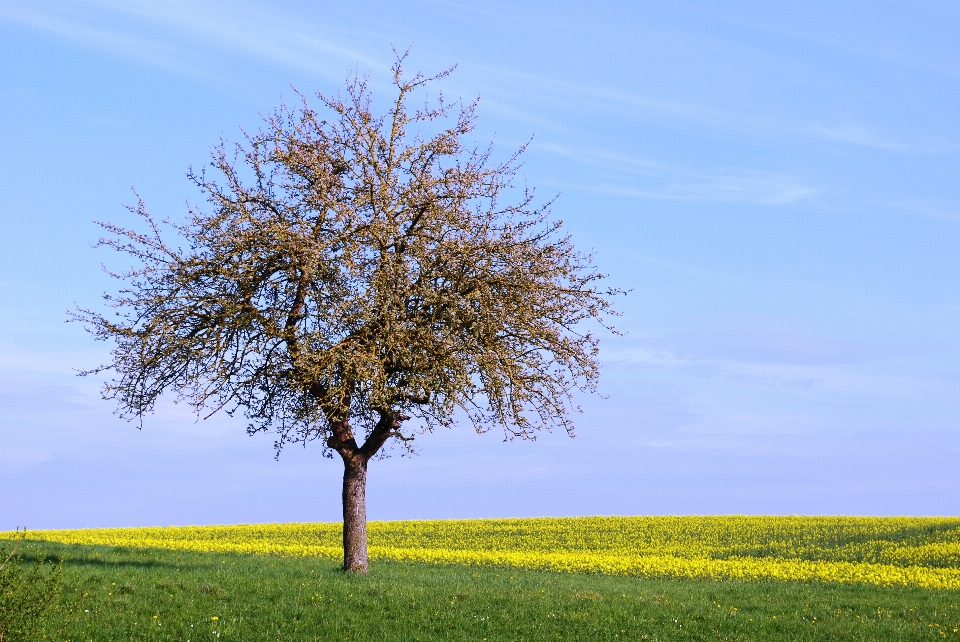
(81, 556)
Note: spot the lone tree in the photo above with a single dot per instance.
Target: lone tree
(356, 281)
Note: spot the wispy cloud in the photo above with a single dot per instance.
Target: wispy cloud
(777, 373)
(868, 379)
(939, 209)
(14, 458)
(882, 40)
(72, 24)
(326, 48)
(257, 30)
(128, 28)
(854, 135)
(64, 362)
(667, 182)
(636, 103)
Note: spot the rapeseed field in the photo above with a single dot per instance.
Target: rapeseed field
(882, 551)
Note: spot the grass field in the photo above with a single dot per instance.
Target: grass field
(173, 584)
(900, 551)
(152, 594)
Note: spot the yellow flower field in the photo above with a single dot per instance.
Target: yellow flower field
(886, 551)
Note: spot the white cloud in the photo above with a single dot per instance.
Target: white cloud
(66, 21)
(258, 30)
(325, 47)
(869, 379)
(939, 209)
(667, 182)
(854, 135)
(126, 28)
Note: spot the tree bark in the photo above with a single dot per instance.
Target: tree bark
(355, 483)
(355, 514)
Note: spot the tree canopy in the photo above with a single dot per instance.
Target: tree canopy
(356, 279)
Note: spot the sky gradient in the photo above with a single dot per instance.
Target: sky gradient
(778, 184)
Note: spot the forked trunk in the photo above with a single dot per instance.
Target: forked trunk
(355, 514)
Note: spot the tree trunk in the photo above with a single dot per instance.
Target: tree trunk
(355, 514)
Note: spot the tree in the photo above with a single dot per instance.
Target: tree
(357, 282)
(25, 595)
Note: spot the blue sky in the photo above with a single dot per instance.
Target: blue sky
(778, 184)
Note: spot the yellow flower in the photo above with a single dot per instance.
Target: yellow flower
(897, 551)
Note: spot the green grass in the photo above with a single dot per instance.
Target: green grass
(128, 594)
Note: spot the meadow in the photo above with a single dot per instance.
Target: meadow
(901, 551)
(642, 578)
